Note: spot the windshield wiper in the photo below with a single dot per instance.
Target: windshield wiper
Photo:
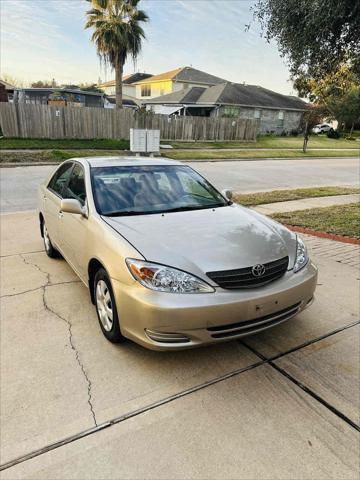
(184, 208)
(125, 213)
(193, 207)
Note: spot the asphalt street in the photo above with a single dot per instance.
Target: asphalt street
(19, 184)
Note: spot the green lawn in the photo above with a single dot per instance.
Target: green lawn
(338, 220)
(272, 141)
(262, 198)
(43, 143)
(60, 155)
(263, 141)
(248, 153)
(55, 156)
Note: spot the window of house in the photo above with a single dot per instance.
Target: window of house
(60, 178)
(231, 111)
(280, 119)
(145, 90)
(76, 186)
(162, 90)
(257, 113)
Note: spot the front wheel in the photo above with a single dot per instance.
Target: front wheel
(106, 307)
(49, 249)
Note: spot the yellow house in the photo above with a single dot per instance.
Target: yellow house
(173, 81)
(129, 87)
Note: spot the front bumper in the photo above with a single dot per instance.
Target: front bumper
(167, 321)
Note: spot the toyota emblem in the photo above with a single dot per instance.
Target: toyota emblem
(258, 270)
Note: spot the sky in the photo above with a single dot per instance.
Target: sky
(45, 39)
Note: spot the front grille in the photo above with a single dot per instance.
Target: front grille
(244, 278)
(252, 326)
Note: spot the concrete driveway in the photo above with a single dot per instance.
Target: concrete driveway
(241, 176)
(283, 404)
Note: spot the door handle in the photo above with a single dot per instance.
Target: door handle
(61, 215)
(44, 197)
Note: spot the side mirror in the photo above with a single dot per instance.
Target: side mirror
(228, 194)
(70, 205)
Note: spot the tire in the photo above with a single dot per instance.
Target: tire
(49, 249)
(106, 307)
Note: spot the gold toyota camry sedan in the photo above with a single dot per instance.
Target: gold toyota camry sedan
(169, 261)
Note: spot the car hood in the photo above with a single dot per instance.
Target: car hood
(201, 241)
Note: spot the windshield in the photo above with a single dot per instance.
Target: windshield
(139, 190)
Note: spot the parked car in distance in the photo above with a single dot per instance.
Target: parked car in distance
(322, 128)
(169, 261)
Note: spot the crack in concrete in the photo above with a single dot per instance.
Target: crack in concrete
(20, 253)
(70, 333)
(38, 288)
(8, 295)
(32, 264)
(76, 351)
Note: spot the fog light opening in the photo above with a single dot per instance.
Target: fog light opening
(165, 337)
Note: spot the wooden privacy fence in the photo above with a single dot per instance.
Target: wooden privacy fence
(45, 121)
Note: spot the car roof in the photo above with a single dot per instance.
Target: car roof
(124, 161)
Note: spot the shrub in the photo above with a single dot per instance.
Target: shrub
(333, 134)
(294, 132)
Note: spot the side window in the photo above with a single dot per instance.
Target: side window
(60, 178)
(76, 186)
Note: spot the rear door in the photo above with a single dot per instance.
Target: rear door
(52, 200)
(73, 227)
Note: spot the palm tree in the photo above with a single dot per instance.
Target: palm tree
(117, 34)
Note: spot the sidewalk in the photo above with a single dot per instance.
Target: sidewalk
(306, 203)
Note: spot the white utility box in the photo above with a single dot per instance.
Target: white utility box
(137, 140)
(153, 141)
(142, 141)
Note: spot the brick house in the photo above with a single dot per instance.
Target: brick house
(276, 113)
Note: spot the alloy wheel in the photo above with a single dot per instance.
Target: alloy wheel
(47, 242)
(104, 305)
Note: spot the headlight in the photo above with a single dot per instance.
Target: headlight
(166, 279)
(302, 257)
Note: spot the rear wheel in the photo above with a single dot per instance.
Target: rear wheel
(49, 249)
(106, 307)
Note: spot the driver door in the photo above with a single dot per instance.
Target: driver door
(52, 199)
(73, 228)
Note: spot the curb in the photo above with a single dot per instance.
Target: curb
(329, 236)
(264, 159)
(29, 164)
(184, 160)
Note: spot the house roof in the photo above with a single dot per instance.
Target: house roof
(55, 89)
(231, 94)
(7, 85)
(128, 79)
(127, 100)
(187, 95)
(185, 74)
(235, 93)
